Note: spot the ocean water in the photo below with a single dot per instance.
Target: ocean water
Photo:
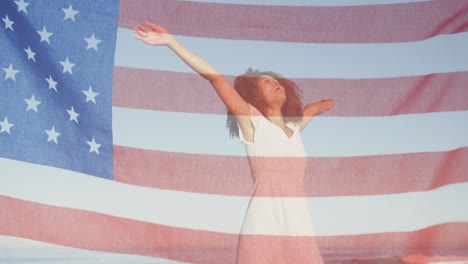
(78, 256)
(54, 257)
(58, 254)
(73, 256)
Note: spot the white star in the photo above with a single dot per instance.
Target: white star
(92, 42)
(10, 72)
(93, 146)
(32, 103)
(8, 23)
(6, 126)
(22, 6)
(67, 66)
(90, 95)
(30, 53)
(73, 115)
(52, 83)
(52, 135)
(70, 13)
(45, 35)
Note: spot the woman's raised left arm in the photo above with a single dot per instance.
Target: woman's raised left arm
(314, 109)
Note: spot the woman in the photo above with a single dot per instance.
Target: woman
(265, 112)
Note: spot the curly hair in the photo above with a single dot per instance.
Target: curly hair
(246, 85)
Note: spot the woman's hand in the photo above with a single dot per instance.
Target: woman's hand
(153, 35)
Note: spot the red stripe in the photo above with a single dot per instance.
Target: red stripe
(187, 92)
(230, 175)
(348, 24)
(94, 231)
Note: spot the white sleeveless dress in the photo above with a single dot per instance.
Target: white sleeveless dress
(277, 227)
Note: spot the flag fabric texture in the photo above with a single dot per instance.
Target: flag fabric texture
(114, 150)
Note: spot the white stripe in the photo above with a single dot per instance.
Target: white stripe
(444, 53)
(20, 250)
(363, 214)
(309, 2)
(324, 137)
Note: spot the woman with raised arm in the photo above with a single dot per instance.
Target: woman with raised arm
(265, 112)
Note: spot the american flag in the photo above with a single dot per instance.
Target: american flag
(112, 150)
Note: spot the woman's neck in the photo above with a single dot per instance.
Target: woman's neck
(275, 116)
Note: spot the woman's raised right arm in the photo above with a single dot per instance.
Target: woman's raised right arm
(159, 36)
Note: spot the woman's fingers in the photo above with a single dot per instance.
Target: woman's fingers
(155, 27)
(142, 33)
(151, 25)
(142, 28)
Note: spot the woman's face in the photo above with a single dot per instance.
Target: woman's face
(271, 91)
